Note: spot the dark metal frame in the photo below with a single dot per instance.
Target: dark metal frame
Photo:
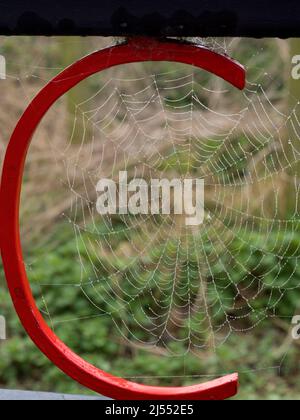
(256, 18)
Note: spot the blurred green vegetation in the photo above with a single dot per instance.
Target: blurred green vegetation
(23, 366)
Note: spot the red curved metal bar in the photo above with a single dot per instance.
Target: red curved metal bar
(11, 249)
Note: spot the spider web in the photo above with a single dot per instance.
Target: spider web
(165, 287)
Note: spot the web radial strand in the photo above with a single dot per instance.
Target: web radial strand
(158, 285)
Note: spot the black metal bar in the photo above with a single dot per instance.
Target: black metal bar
(256, 18)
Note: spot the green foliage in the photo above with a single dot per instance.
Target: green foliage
(22, 365)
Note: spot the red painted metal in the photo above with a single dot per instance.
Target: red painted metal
(136, 50)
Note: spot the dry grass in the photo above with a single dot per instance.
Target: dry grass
(45, 166)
